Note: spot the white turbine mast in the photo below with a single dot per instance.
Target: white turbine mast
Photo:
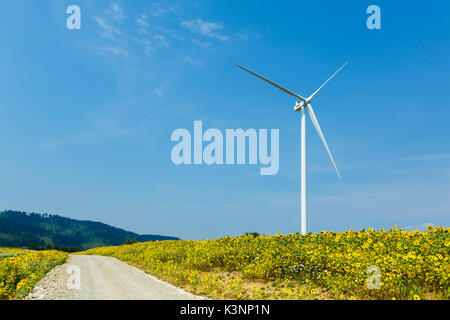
(301, 106)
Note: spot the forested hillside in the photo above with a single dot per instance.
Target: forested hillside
(21, 229)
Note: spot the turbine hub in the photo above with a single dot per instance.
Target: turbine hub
(299, 106)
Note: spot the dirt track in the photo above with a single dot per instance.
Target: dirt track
(103, 278)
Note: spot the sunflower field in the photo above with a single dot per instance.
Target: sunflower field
(9, 252)
(19, 273)
(369, 264)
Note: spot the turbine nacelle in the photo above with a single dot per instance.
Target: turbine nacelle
(299, 105)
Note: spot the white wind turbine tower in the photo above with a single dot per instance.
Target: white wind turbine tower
(304, 104)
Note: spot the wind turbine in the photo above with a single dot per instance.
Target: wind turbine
(301, 106)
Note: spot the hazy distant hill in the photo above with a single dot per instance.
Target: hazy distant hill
(20, 229)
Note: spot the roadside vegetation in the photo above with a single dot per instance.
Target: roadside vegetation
(10, 252)
(384, 264)
(21, 269)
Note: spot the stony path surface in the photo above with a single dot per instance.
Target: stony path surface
(103, 278)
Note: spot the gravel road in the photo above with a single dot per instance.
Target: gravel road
(103, 278)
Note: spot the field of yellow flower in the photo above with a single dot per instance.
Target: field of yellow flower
(369, 264)
(9, 252)
(19, 273)
(12, 250)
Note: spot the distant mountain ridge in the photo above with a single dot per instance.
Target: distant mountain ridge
(21, 229)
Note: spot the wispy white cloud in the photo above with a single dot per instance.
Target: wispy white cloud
(145, 43)
(108, 22)
(160, 9)
(429, 157)
(118, 51)
(203, 44)
(198, 63)
(247, 35)
(161, 40)
(142, 23)
(161, 90)
(115, 11)
(150, 37)
(151, 30)
(107, 29)
(155, 42)
(205, 28)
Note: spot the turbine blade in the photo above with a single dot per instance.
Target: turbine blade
(274, 84)
(317, 91)
(319, 131)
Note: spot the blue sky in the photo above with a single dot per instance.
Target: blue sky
(86, 115)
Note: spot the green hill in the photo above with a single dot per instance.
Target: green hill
(33, 230)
